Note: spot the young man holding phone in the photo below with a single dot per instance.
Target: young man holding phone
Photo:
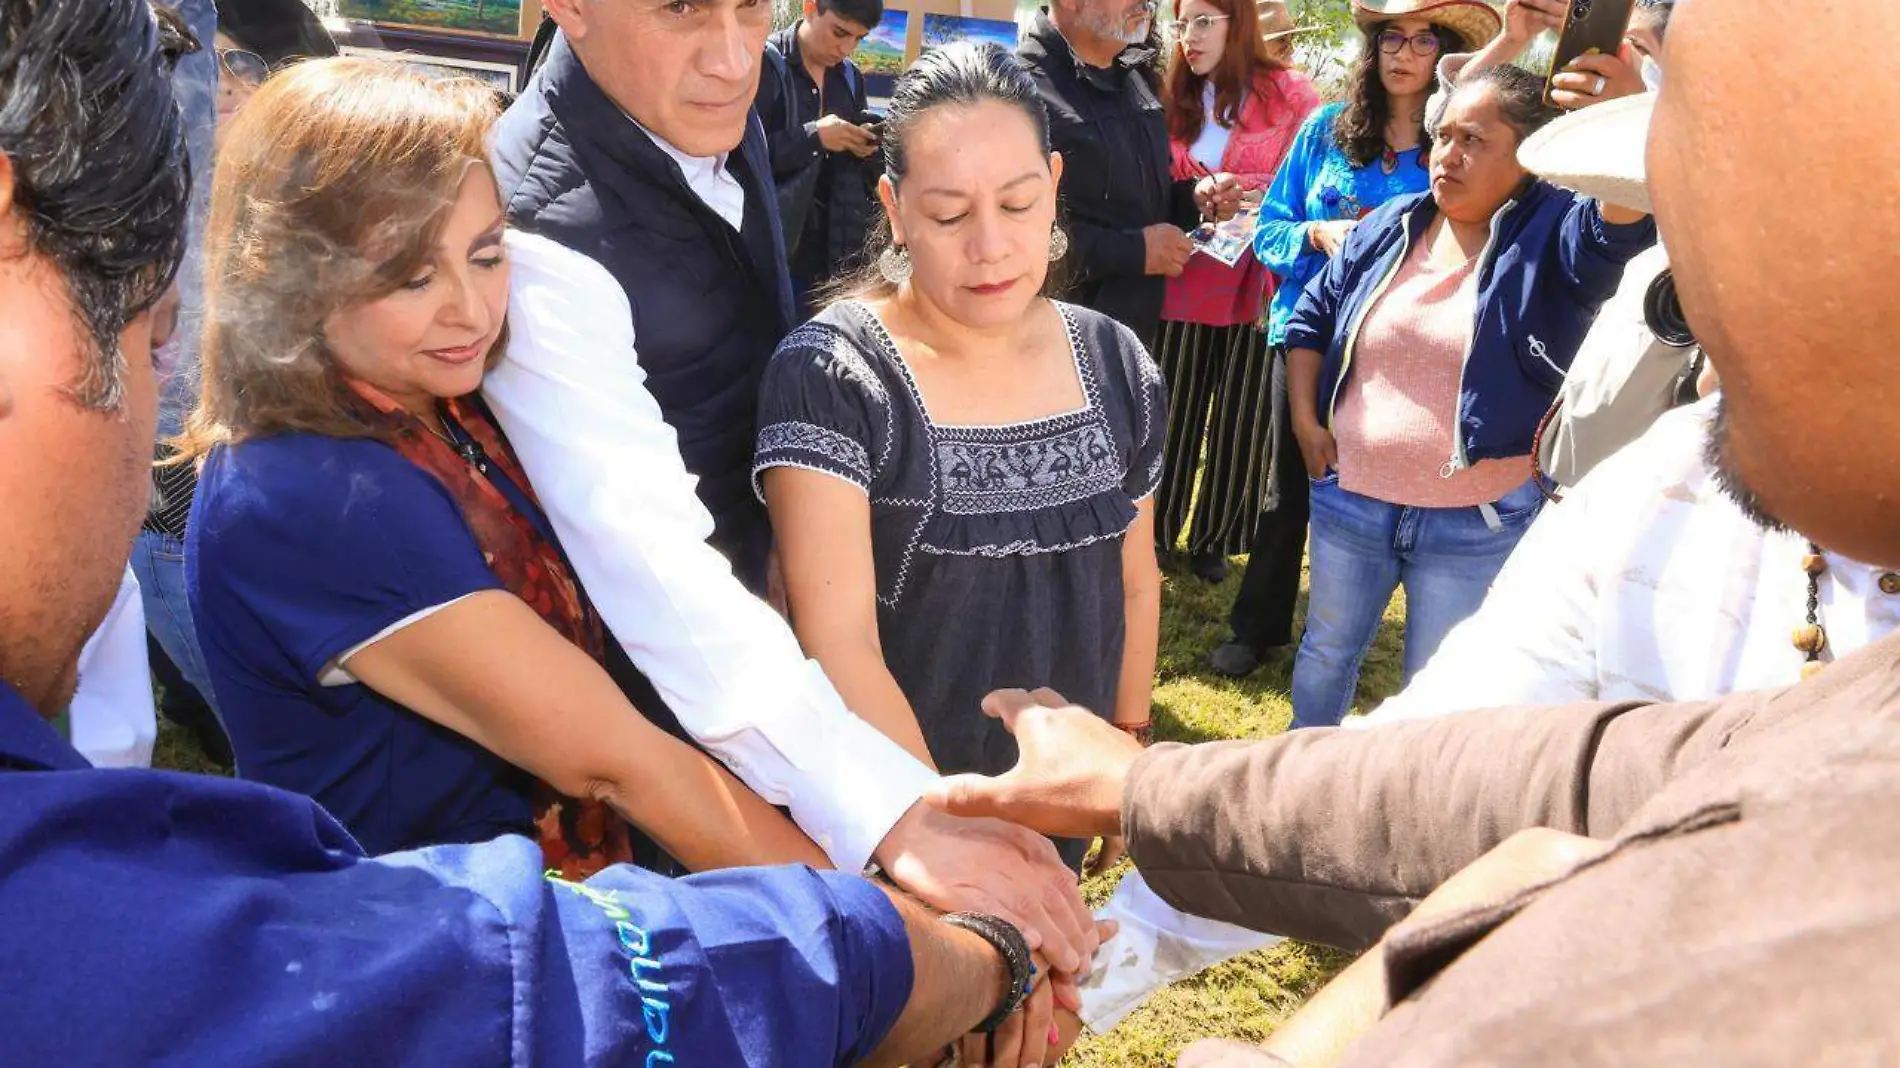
(823, 138)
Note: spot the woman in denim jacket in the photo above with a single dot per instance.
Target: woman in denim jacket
(1420, 362)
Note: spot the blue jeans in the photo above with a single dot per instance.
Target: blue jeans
(1361, 550)
(159, 562)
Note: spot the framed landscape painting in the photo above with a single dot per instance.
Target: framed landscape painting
(498, 18)
(940, 30)
(881, 54)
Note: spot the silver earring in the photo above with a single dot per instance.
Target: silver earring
(1058, 244)
(894, 264)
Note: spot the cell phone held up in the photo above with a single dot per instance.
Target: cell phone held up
(1589, 26)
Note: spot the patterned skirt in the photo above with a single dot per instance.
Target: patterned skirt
(1220, 405)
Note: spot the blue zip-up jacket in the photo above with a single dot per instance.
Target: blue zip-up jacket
(158, 918)
(1550, 264)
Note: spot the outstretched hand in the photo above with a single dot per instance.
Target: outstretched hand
(1068, 780)
(986, 865)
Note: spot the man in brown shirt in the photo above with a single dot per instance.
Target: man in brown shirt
(1741, 902)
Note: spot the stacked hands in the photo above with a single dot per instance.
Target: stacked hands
(1068, 783)
(1167, 247)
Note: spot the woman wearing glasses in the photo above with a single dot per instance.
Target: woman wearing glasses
(1233, 106)
(253, 36)
(1348, 159)
(256, 37)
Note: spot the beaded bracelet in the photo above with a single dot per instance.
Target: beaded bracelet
(1009, 942)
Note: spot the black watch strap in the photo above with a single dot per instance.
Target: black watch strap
(1010, 943)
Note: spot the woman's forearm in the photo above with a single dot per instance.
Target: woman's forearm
(1141, 613)
(1134, 694)
(701, 814)
(857, 669)
(1302, 385)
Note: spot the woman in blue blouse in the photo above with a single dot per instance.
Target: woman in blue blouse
(1348, 159)
(389, 620)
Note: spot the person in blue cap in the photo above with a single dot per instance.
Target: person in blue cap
(157, 916)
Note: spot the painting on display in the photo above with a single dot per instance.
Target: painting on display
(493, 17)
(880, 56)
(940, 30)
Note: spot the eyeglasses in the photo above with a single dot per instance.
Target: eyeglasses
(1197, 25)
(1391, 42)
(244, 65)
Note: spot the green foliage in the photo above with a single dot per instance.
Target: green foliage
(1245, 998)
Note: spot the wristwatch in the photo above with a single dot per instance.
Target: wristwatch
(1008, 941)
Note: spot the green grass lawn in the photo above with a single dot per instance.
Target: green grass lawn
(1244, 998)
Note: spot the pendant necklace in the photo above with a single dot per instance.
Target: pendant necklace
(1811, 637)
(468, 449)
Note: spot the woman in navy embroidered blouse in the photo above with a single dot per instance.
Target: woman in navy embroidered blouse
(960, 470)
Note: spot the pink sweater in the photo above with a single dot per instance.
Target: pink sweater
(1397, 416)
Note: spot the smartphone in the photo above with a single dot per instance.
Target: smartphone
(1589, 26)
(874, 127)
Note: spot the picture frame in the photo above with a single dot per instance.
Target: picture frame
(486, 18)
(499, 75)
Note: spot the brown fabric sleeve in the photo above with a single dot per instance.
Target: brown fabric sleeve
(1332, 835)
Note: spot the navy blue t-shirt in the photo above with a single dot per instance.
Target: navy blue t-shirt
(153, 917)
(301, 548)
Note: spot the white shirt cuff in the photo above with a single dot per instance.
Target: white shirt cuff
(846, 783)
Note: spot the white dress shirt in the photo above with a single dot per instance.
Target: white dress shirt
(1646, 582)
(572, 398)
(112, 717)
(708, 178)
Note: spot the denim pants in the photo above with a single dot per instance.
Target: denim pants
(159, 561)
(1361, 550)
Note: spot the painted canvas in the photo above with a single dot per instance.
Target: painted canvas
(495, 17)
(880, 56)
(940, 30)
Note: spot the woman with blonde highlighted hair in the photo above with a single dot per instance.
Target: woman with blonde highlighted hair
(390, 622)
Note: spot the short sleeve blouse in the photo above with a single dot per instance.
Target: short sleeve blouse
(301, 548)
(997, 548)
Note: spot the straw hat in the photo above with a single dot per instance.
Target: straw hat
(1277, 22)
(1598, 151)
(1474, 20)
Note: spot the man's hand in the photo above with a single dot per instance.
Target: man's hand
(1329, 236)
(837, 135)
(1040, 1033)
(1317, 447)
(1168, 250)
(986, 865)
(1594, 78)
(1218, 196)
(1068, 780)
(1525, 19)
